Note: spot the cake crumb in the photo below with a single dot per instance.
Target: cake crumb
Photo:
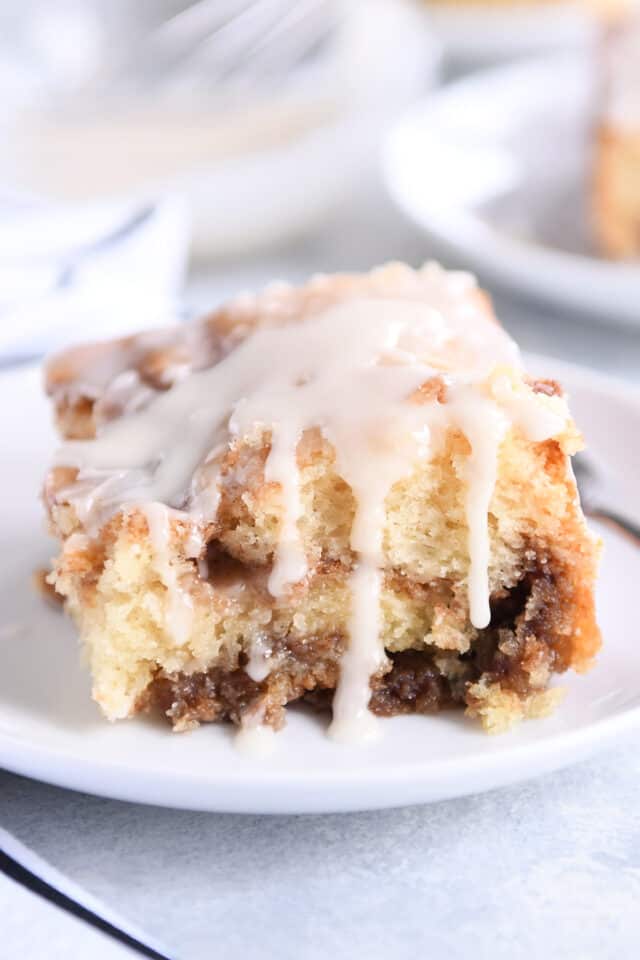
(43, 586)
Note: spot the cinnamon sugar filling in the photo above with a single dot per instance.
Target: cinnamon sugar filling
(518, 650)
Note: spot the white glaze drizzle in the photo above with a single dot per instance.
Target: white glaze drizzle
(484, 425)
(255, 739)
(179, 606)
(290, 563)
(349, 371)
(261, 660)
(352, 720)
(125, 394)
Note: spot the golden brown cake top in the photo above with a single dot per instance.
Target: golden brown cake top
(162, 357)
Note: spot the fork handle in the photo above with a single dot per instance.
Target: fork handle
(622, 524)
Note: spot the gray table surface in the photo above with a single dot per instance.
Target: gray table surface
(547, 869)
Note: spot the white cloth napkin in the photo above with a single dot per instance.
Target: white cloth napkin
(33, 928)
(33, 920)
(71, 273)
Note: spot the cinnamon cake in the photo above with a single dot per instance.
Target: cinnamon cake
(617, 160)
(348, 492)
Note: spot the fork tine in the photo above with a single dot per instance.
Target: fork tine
(288, 41)
(207, 29)
(231, 42)
(292, 38)
(172, 40)
(201, 17)
(299, 20)
(594, 498)
(248, 40)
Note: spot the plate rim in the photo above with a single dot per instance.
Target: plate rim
(258, 790)
(484, 32)
(410, 784)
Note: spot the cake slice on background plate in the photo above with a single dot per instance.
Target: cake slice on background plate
(616, 200)
(348, 492)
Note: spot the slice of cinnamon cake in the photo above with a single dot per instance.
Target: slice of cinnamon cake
(616, 189)
(348, 492)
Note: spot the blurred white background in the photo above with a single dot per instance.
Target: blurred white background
(161, 154)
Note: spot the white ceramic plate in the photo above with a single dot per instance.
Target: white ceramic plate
(51, 730)
(495, 169)
(479, 34)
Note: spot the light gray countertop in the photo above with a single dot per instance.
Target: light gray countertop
(547, 869)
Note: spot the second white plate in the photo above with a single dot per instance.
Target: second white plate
(496, 171)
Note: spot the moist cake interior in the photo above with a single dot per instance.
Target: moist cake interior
(416, 681)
